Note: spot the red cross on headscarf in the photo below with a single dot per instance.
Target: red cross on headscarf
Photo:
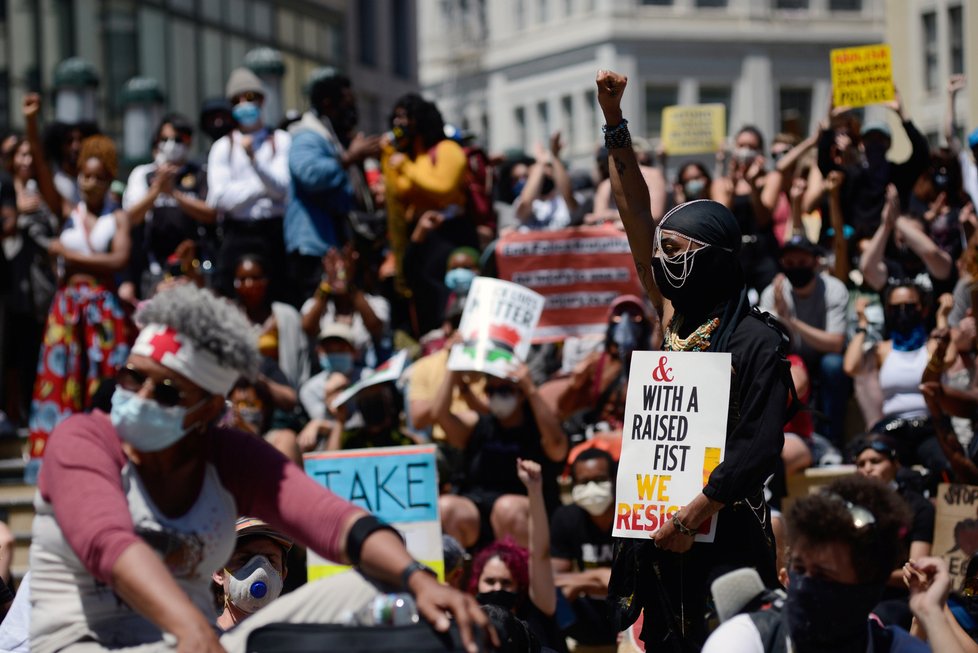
(163, 343)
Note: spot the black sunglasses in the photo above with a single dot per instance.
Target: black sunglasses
(247, 96)
(165, 393)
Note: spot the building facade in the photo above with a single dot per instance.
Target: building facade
(190, 47)
(515, 70)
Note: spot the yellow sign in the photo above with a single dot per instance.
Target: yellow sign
(862, 76)
(694, 129)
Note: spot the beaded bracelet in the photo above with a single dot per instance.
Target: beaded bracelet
(617, 137)
(681, 527)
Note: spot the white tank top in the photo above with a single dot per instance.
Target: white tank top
(899, 381)
(76, 238)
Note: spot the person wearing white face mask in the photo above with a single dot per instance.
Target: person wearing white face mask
(136, 509)
(582, 549)
(168, 195)
(491, 502)
(255, 574)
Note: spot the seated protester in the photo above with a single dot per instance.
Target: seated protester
(250, 407)
(254, 575)
(428, 374)
(813, 307)
(944, 402)
(315, 433)
(844, 544)
(901, 249)
(797, 453)
(168, 195)
(514, 633)
(595, 392)
(344, 296)
(546, 201)
(522, 580)
(336, 353)
(379, 407)
(492, 502)
(902, 360)
(582, 549)
(876, 457)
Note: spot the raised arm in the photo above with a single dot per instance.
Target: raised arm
(562, 180)
(45, 179)
(871, 263)
(627, 181)
(543, 591)
(955, 84)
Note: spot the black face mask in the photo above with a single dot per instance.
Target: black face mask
(903, 318)
(825, 616)
(628, 335)
(547, 186)
(713, 279)
(799, 277)
(503, 598)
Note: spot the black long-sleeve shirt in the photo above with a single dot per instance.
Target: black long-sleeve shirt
(864, 189)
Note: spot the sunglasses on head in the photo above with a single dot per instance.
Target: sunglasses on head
(862, 517)
(165, 393)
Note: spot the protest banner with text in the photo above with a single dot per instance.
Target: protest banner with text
(674, 436)
(693, 129)
(578, 271)
(862, 76)
(956, 528)
(397, 484)
(497, 327)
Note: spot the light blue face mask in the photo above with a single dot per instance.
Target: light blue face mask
(338, 361)
(146, 425)
(459, 280)
(246, 114)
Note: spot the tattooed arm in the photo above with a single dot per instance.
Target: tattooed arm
(628, 184)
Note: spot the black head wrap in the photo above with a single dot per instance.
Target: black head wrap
(726, 293)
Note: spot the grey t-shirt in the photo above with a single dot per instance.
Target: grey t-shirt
(824, 309)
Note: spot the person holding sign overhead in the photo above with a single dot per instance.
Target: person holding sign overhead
(689, 261)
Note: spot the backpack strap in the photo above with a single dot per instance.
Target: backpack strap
(795, 405)
(772, 629)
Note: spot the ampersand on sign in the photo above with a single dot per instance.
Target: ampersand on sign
(662, 373)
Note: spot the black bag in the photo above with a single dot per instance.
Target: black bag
(325, 638)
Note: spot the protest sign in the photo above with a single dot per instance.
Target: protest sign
(862, 76)
(956, 528)
(397, 484)
(579, 272)
(674, 436)
(497, 325)
(693, 129)
(390, 370)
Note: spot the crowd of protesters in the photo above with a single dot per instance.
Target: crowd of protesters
(342, 250)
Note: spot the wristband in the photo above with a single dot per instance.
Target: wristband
(681, 527)
(861, 330)
(617, 137)
(413, 567)
(360, 531)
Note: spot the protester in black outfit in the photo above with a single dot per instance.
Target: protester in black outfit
(669, 576)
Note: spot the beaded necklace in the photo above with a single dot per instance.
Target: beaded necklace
(698, 340)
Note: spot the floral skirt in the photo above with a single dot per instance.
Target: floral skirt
(86, 339)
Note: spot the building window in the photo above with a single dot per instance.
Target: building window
(658, 98)
(661, 3)
(929, 24)
(543, 120)
(711, 3)
(366, 20)
(519, 121)
(845, 5)
(237, 15)
(791, 5)
(591, 109)
(261, 20)
(717, 95)
(542, 14)
(567, 118)
(401, 25)
(519, 16)
(955, 22)
(796, 110)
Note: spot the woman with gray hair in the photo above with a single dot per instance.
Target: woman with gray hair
(137, 508)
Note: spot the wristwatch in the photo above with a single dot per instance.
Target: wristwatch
(409, 571)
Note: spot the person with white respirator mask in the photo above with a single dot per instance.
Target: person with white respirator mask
(256, 572)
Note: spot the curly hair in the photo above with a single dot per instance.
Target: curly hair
(515, 557)
(102, 148)
(427, 118)
(824, 518)
(212, 323)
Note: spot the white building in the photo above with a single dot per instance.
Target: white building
(514, 70)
